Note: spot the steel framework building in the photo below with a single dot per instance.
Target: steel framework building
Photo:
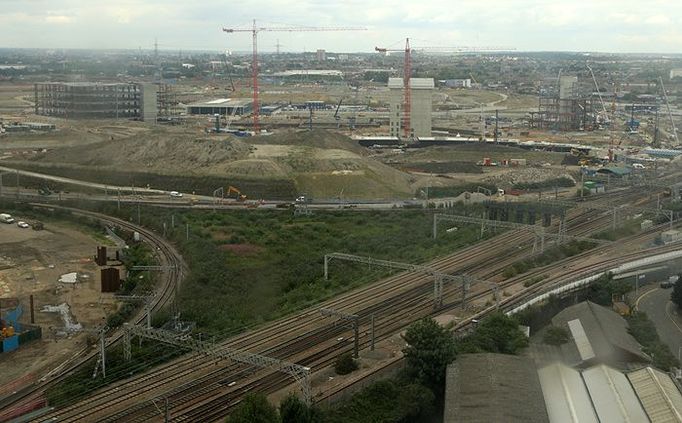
(88, 100)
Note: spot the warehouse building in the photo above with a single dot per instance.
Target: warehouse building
(493, 388)
(658, 394)
(421, 93)
(221, 106)
(599, 335)
(94, 100)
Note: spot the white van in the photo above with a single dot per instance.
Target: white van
(6, 218)
(175, 194)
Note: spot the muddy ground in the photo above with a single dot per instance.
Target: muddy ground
(32, 262)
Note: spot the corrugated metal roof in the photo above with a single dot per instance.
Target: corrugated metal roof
(658, 394)
(222, 102)
(415, 83)
(613, 396)
(606, 331)
(616, 170)
(581, 341)
(483, 388)
(566, 397)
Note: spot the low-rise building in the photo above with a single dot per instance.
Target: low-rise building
(221, 106)
(493, 388)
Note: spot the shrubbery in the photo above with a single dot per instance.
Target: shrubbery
(345, 364)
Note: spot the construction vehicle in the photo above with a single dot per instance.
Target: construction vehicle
(237, 192)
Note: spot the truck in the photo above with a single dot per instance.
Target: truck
(6, 218)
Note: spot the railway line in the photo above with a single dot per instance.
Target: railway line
(306, 338)
(173, 269)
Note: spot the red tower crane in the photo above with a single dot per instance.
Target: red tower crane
(254, 30)
(407, 72)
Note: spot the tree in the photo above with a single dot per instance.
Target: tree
(345, 364)
(254, 409)
(386, 401)
(676, 295)
(430, 349)
(293, 410)
(556, 335)
(497, 333)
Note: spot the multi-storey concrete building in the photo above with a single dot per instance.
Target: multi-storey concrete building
(421, 93)
(88, 100)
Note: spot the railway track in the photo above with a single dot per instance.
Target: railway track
(173, 271)
(305, 338)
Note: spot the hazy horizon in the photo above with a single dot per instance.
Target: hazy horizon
(603, 26)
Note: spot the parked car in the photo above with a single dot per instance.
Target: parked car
(175, 194)
(23, 224)
(670, 282)
(6, 218)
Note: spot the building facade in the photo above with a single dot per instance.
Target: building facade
(421, 96)
(89, 100)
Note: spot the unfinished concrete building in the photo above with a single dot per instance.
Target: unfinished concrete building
(88, 100)
(565, 110)
(420, 110)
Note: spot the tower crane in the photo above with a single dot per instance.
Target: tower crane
(407, 72)
(254, 30)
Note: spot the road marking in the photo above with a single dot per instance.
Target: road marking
(642, 296)
(667, 308)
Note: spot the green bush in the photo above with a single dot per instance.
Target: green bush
(644, 331)
(345, 364)
(556, 335)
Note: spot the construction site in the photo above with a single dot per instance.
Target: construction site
(196, 227)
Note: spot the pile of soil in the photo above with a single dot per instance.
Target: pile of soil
(156, 152)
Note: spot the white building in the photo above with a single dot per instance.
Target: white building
(421, 93)
(674, 73)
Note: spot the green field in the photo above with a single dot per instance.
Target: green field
(251, 266)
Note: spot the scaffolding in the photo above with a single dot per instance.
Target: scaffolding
(573, 114)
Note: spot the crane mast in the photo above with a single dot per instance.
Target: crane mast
(254, 30)
(407, 103)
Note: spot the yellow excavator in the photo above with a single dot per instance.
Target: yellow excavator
(239, 197)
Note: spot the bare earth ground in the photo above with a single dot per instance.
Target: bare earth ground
(322, 164)
(33, 262)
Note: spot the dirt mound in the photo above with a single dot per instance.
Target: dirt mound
(318, 138)
(161, 153)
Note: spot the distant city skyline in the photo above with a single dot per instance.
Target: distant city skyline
(616, 26)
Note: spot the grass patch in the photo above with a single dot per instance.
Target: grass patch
(251, 266)
(533, 281)
(550, 255)
(629, 228)
(562, 182)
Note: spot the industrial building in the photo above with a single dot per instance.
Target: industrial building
(421, 94)
(90, 100)
(599, 335)
(221, 106)
(457, 83)
(493, 388)
(675, 73)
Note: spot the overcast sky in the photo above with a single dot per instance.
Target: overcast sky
(527, 25)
